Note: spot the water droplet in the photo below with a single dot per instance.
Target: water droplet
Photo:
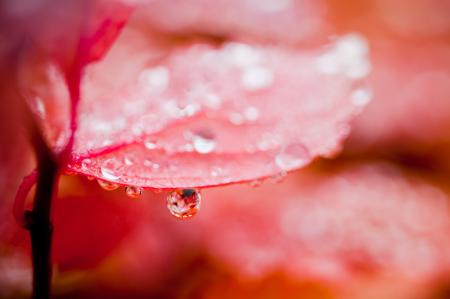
(109, 186)
(279, 177)
(251, 113)
(150, 144)
(242, 55)
(184, 203)
(256, 78)
(133, 191)
(268, 141)
(347, 56)
(203, 142)
(109, 170)
(127, 161)
(236, 118)
(151, 164)
(190, 109)
(292, 156)
(106, 142)
(352, 45)
(126, 179)
(361, 97)
(255, 183)
(157, 78)
(85, 164)
(213, 101)
(217, 171)
(327, 64)
(69, 172)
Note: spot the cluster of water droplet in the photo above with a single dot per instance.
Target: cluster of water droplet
(131, 191)
(182, 203)
(349, 56)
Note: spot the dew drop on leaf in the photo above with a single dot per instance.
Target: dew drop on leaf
(292, 156)
(256, 78)
(203, 142)
(236, 118)
(251, 113)
(361, 97)
(150, 144)
(109, 186)
(127, 161)
(155, 79)
(184, 203)
(85, 164)
(150, 164)
(278, 178)
(133, 191)
(255, 183)
(109, 170)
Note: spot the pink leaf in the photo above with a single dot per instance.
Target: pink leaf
(411, 84)
(202, 115)
(284, 21)
(157, 112)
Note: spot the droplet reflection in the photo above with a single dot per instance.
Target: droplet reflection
(184, 203)
(133, 191)
(109, 186)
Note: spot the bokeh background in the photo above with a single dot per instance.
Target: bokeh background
(372, 222)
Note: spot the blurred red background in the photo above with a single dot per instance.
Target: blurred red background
(372, 222)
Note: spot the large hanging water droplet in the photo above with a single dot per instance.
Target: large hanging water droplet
(133, 191)
(292, 156)
(109, 186)
(203, 142)
(184, 203)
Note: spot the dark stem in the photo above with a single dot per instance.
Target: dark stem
(38, 219)
(40, 228)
